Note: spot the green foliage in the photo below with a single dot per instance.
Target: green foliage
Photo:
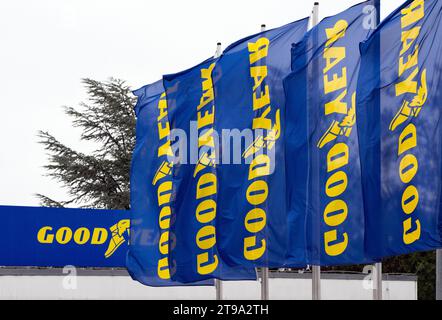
(99, 179)
(423, 264)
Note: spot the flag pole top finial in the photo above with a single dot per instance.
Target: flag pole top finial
(218, 50)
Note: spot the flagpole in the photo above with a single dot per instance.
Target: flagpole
(315, 14)
(219, 289)
(264, 271)
(264, 283)
(316, 270)
(438, 274)
(218, 50)
(218, 282)
(377, 270)
(377, 281)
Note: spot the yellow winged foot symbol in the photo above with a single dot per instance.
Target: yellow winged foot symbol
(342, 128)
(413, 108)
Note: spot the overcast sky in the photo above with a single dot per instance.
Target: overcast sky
(47, 46)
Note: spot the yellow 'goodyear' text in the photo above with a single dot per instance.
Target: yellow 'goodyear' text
(409, 71)
(206, 188)
(164, 192)
(335, 82)
(257, 192)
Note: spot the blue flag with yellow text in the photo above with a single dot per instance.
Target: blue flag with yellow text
(250, 103)
(151, 238)
(195, 181)
(324, 189)
(399, 112)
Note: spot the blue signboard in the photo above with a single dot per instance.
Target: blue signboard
(58, 237)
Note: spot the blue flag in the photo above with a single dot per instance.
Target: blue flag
(324, 188)
(399, 113)
(250, 102)
(195, 181)
(151, 193)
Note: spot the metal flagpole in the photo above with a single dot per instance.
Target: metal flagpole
(263, 27)
(264, 283)
(218, 50)
(315, 14)
(439, 274)
(264, 271)
(377, 271)
(219, 289)
(316, 283)
(218, 283)
(316, 270)
(377, 281)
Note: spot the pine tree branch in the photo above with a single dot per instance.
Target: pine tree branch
(102, 178)
(48, 202)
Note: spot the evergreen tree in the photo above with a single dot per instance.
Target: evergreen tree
(99, 179)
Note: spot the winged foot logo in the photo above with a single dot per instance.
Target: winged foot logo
(115, 236)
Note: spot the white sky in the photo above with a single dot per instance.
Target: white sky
(47, 46)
